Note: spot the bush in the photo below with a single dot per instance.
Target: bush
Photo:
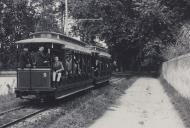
(181, 46)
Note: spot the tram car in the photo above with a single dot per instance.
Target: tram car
(53, 66)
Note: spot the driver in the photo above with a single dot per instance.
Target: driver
(41, 58)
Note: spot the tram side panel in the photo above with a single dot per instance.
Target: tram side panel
(79, 78)
(41, 79)
(33, 82)
(98, 75)
(23, 79)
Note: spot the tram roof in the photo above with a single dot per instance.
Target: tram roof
(101, 51)
(104, 54)
(67, 45)
(59, 36)
(68, 42)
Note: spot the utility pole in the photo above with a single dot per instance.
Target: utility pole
(62, 16)
(66, 18)
(66, 22)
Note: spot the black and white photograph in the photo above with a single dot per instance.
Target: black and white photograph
(94, 64)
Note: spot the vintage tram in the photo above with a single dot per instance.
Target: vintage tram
(84, 66)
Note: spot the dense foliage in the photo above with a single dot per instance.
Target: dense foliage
(16, 22)
(136, 31)
(18, 18)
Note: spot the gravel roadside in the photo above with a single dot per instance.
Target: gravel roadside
(81, 111)
(144, 105)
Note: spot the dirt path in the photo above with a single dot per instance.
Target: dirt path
(145, 105)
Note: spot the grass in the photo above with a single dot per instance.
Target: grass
(9, 101)
(7, 98)
(181, 45)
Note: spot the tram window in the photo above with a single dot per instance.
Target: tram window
(68, 64)
(97, 68)
(24, 58)
(38, 54)
(81, 64)
(84, 64)
(88, 64)
(59, 53)
(76, 65)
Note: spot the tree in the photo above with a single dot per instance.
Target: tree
(16, 23)
(127, 26)
(45, 15)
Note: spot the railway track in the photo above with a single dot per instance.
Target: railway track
(13, 109)
(20, 113)
(13, 116)
(115, 80)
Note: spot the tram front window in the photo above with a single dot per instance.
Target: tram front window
(34, 56)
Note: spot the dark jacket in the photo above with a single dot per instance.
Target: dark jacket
(40, 58)
(24, 59)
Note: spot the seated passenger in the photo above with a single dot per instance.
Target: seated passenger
(25, 58)
(57, 69)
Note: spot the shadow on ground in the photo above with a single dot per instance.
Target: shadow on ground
(109, 97)
(181, 104)
(82, 112)
(153, 74)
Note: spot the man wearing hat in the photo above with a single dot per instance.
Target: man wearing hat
(41, 59)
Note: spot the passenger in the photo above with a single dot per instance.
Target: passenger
(97, 68)
(41, 59)
(68, 65)
(57, 69)
(76, 68)
(33, 59)
(25, 58)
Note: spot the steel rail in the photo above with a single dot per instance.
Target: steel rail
(13, 109)
(119, 79)
(23, 118)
